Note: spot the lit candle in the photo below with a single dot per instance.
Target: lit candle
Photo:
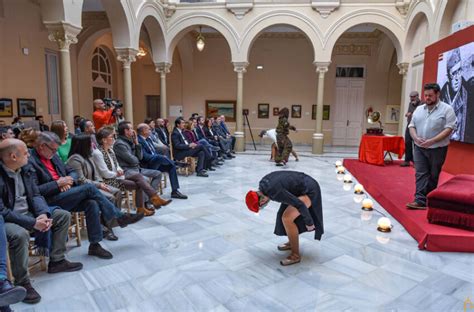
(384, 224)
(341, 169)
(338, 163)
(347, 178)
(358, 188)
(367, 204)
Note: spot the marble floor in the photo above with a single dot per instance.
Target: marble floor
(209, 253)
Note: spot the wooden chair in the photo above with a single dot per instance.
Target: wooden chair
(38, 260)
(129, 199)
(78, 223)
(190, 160)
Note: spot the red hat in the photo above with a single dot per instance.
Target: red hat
(252, 201)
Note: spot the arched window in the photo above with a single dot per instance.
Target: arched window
(101, 74)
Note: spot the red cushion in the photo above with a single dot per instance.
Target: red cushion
(456, 194)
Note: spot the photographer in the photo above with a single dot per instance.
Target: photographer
(103, 115)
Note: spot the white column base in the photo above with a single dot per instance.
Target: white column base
(239, 141)
(318, 140)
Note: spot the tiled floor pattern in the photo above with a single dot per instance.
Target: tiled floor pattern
(209, 253)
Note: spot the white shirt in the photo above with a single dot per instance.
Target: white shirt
(101, 167)
(271, 134)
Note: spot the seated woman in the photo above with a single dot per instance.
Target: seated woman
(112, 174)
(29, 136)
(191, 138)
(60, 128)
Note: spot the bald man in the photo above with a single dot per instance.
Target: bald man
(25, 210)
(103, 116)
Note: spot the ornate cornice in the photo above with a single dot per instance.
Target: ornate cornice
(64, 34)
(322, 67)
(325, 7)
(240, 67)
(163, 67)
(352, 49)
(240, 8)
(403, 68)
(402, 6)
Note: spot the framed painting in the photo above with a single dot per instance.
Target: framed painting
(276, 111)
(392, 114)
(6, 108)
(326, 112)
(26, 107)
(216, 108)
(295, 111)
(263, 110)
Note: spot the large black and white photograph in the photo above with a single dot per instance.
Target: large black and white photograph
(456, 78)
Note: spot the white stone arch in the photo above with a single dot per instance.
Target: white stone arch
(185, 23)
(448, 12)
(53, 11)
(151, 17)
(121, 19)
(281, 17)
(419, 10)
(384, 21)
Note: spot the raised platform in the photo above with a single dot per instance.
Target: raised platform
(393, 187)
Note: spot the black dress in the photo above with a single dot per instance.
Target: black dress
(285, 187)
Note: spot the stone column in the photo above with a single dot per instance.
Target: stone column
(403, 69)
(240, 68)
(65, 35)
(163, 68)
(127, 56)
(318, 136)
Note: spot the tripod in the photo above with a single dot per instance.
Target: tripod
(250, 129)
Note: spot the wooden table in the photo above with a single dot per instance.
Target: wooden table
(372, 148)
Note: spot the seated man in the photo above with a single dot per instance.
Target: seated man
(58, 184)
(223, 125)
(225, 142)
(160, 147)
(152, 160)
(25, 210)
(129, 154)
(162, 131)
(183, 149)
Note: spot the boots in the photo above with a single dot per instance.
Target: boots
(157, 201)
(146, 212)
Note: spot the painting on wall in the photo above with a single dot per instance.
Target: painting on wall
(217, 108)
(6, 108)
(326, 111)
(263, 110)
(295, 111)
(26, 107)
(392, 114)
(276, 111)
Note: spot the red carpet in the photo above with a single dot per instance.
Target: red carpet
(393, 187)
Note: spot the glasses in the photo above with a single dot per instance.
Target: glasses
(53, 150)
(456, 73)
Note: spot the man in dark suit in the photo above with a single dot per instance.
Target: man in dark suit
(183, 148)
(24, 210)
(42, 125)
(58, 184)
(152, 160)
(162, 131)
(223, 125)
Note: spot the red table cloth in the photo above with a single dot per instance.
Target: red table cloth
(372, 148)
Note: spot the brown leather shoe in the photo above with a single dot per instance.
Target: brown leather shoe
(157, 201)
(415, 205)
(146, 212)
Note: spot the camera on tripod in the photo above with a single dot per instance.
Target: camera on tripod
(109, 102)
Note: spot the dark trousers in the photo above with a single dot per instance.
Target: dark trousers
(198, 152)
(3, 250)
(408, 146)
(428, 164)
(87, 198)
(164, 164)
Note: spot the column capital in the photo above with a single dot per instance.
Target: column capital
(64, 34)
(403, 68)
(163, 67)
(240, 67)
(126, 55)
(322, 67)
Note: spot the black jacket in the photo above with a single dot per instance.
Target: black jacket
(164, 137)
(36, 203)
(179, 145)
(46, 184)
(285, 187)
(128, 154)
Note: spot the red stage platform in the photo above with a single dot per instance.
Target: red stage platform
(393, 187)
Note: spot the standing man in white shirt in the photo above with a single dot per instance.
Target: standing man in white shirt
(430, 127)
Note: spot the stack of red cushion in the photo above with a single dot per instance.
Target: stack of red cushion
(452, 203)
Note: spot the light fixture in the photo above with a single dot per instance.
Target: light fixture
(341, 170)
(259, 67)
(141, 52)
(347, 182)
(358, 189)
(384, 225)
(367, 204)
(200, 41)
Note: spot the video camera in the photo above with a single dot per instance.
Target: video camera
(109, 102)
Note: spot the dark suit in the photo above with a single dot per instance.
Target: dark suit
(226, 131)
(181, 149)
(152, 160)
(163, 135)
